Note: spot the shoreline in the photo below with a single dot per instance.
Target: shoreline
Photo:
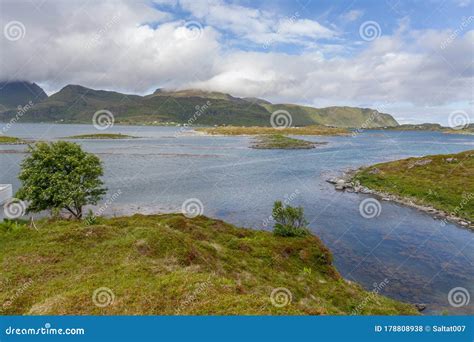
(346, 183)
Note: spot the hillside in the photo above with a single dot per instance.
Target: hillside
(77, 104)
(346, 117)
(168, 265)
(19, 93)
(444, 181)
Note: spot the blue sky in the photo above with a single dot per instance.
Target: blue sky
(345, 17)
(413, 59)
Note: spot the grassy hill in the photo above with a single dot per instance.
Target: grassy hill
(169, 264)
(444, 181)
(77, 104)
(348, 117)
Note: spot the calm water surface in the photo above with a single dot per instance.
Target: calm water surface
(422, 258)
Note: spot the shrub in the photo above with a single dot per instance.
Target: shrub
(289, 221)
(60, 176)
(8, 225)
(90, 218)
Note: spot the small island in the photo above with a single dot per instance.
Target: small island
(276, 138)
(279, 141)
(254, 130)
(6, 140)
(100, 136)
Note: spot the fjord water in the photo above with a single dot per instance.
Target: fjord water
(420, 259)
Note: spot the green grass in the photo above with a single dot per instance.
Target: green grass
(278, 141)
(101, 136)
(169, 264)
(444, 184)
(307, 130)
(5, 140)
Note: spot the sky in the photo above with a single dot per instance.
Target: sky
(412, 59)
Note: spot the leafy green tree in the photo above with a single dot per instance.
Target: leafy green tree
(289, 221)
(60, 176)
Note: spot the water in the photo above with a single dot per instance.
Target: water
(422, 258)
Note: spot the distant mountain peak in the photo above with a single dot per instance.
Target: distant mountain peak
(19, 93)
(257, 100)
(193, 93)
(75, 87)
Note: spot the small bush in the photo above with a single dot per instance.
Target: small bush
(12, 225)
(289, 221)
(90, 218)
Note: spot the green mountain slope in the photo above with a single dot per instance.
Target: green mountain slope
(77, 104)
(352, 117)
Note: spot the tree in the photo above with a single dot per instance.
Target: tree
(289, 221)
(60, 176)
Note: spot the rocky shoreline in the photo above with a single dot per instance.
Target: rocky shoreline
(347, 183)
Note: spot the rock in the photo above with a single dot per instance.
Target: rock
(374, 171)
(142, 247)
(340, 184)
(420, 307)
(450, 160)
(420, 162)
(332, 180)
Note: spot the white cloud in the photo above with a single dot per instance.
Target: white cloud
(463, 3)
(256, 25)
(108, 45)
(352, 15)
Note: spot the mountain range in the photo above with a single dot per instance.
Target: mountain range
(77, 104)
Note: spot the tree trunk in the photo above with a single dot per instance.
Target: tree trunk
(77, 213)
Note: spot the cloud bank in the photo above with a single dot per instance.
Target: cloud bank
(136, 47)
